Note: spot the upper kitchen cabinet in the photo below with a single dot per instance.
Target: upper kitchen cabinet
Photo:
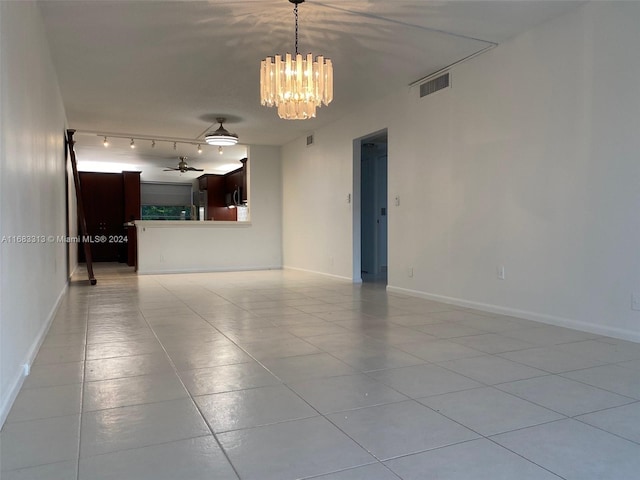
(224, 193)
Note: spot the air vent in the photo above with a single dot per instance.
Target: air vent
(432, 86)
(309, 140)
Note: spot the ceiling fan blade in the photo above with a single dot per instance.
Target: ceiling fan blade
(192, 169)
(170, 169)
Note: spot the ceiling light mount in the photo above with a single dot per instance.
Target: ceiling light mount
(221, 137)
(296, 85)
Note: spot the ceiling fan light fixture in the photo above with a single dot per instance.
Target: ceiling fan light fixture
(221, 137)
(106, 142)
(132, 144)
(297, 85)
(183, 167)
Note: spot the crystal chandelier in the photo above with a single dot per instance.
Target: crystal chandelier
(296, 85)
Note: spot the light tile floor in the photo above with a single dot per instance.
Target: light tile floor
(287, 375)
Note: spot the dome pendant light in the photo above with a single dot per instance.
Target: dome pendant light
(296, 85)
(221, 136)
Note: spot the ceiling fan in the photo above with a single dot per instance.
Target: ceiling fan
(183, 167)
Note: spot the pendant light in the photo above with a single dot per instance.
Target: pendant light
(296, 85)
(221, 136)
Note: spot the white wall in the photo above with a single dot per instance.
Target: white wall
(193, 246)
(32, 192)
(317, 215)
(529, 161)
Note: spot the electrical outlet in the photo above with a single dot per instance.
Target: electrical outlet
(635, 301)
(500, 272)
(410, 272)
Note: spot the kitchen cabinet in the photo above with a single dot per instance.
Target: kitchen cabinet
(225, 191)
(110, 200)
(132, 211)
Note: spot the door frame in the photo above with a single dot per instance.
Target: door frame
(357, 201)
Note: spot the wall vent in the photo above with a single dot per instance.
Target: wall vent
(432, 86)
(309, 140)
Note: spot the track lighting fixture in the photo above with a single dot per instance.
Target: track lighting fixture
(220, 137)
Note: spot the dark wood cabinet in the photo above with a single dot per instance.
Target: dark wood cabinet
(110, 200)
(131, 187)
(224, 191)
(132, 211)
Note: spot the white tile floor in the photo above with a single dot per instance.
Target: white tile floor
(286, 375)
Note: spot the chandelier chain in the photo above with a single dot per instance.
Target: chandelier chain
(295, 11)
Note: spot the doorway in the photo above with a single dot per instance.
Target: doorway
(373, 208)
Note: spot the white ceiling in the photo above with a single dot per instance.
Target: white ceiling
(161, 69)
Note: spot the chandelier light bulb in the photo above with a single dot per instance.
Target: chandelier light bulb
(106, 142)
(220, 150)
(132, 144)
(199, 149)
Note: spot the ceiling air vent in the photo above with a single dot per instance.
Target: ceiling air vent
(309, 140)
(432, 86)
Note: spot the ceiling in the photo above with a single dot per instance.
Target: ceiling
(167, 69)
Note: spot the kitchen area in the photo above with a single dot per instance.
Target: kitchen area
(177, 219)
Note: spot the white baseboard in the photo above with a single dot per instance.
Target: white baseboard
(74, 271)
(208, 269)
(340, 277)
(10, 395)
(615, 332)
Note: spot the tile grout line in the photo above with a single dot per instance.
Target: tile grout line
(195, 404)
(84, 372)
